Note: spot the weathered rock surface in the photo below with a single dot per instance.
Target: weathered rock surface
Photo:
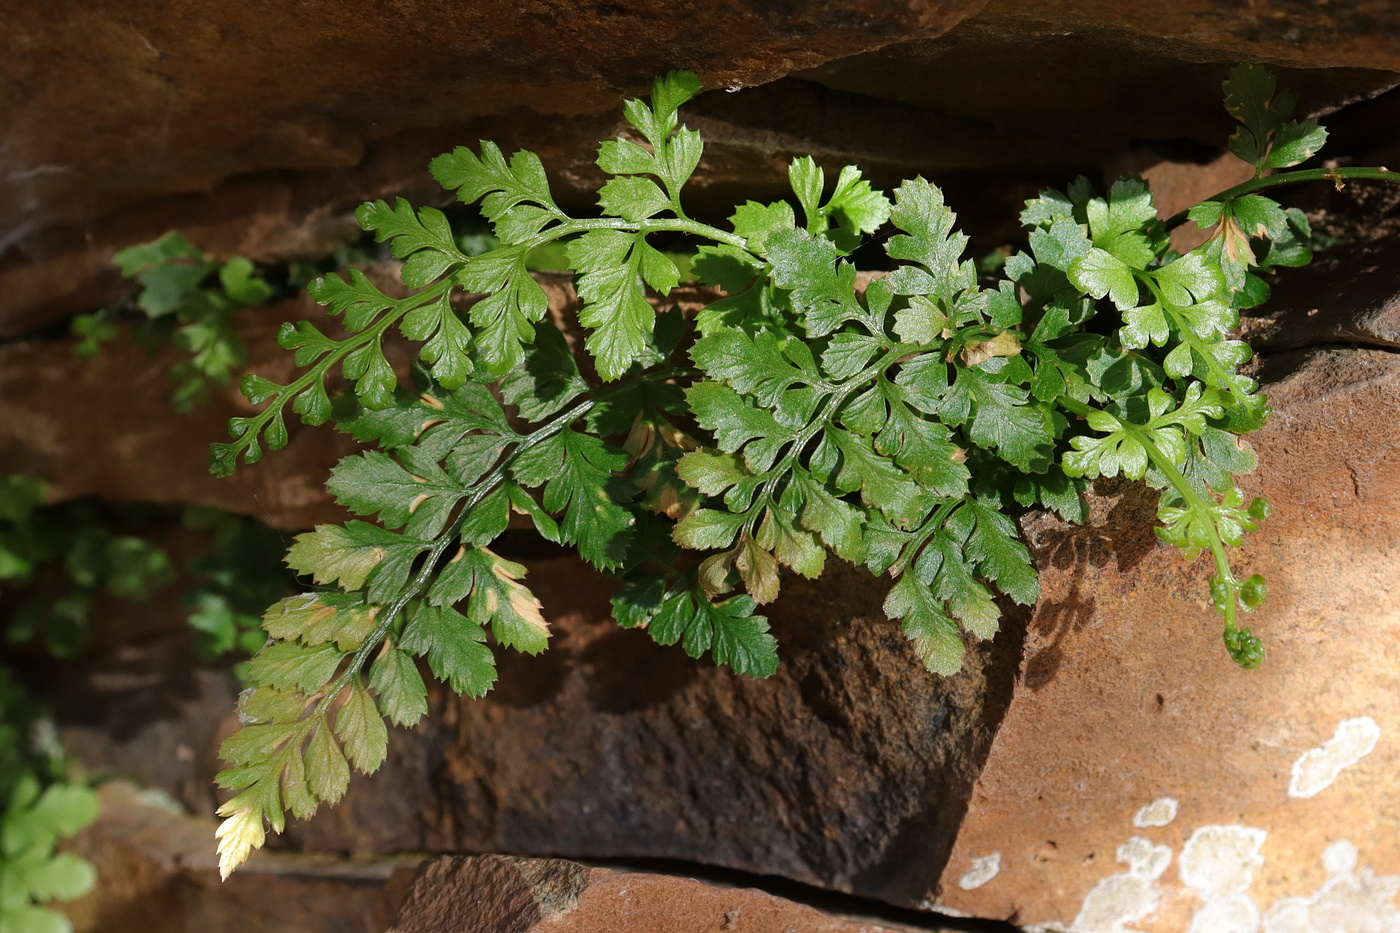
(257, 131)
(312, 88)
(234, 111)
(496, 894)
(157, 871)
(1139, 780)
(106, 428)
(1092, 66)
(1352, 301)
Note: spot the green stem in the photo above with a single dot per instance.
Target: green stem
(1070, 403)
(1337, 175)
(670, 225)
(1199, 345)
(1242, 645)
(919, 539)
(318, 369)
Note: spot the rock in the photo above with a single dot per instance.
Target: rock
(155, 104)
(1351, 297)
(106, 428)
(156, 871)
(1138, 777)
(847, 769)
(153, 126)
(496, 894)
(1087, 66)
(152, 85)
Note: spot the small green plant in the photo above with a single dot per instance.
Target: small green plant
(63, 557)
(187, 299)
(56, 560)
(798, 416)
(40, 808)
(233, 581)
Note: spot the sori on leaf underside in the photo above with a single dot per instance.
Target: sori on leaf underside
(894, 421)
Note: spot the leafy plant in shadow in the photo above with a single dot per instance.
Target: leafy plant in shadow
(187, 299)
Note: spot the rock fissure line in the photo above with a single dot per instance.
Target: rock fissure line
(837, 903)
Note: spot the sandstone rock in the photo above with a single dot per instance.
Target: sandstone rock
(847, 769)
(155, 124)
(495, 894)
(1351, 297)
(172, 100)
(113, 109)
(156, 871)
(106, 428)
(1140, 781)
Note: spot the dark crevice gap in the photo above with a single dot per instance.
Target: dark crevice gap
(919, 854)
(837, 903)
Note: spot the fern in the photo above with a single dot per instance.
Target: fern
(799, 416)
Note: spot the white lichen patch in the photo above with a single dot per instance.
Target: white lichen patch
(1115, 902)
(1218, 862)
(1144, 860)
(1317, 768)
(1350, 901)
(1236, 914)
(1127, 897)
(984, 868)
(1218, 865)
(1159, 812)
(1339, 858)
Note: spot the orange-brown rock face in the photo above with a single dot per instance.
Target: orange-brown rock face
(1138, 777)
(255, 128)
